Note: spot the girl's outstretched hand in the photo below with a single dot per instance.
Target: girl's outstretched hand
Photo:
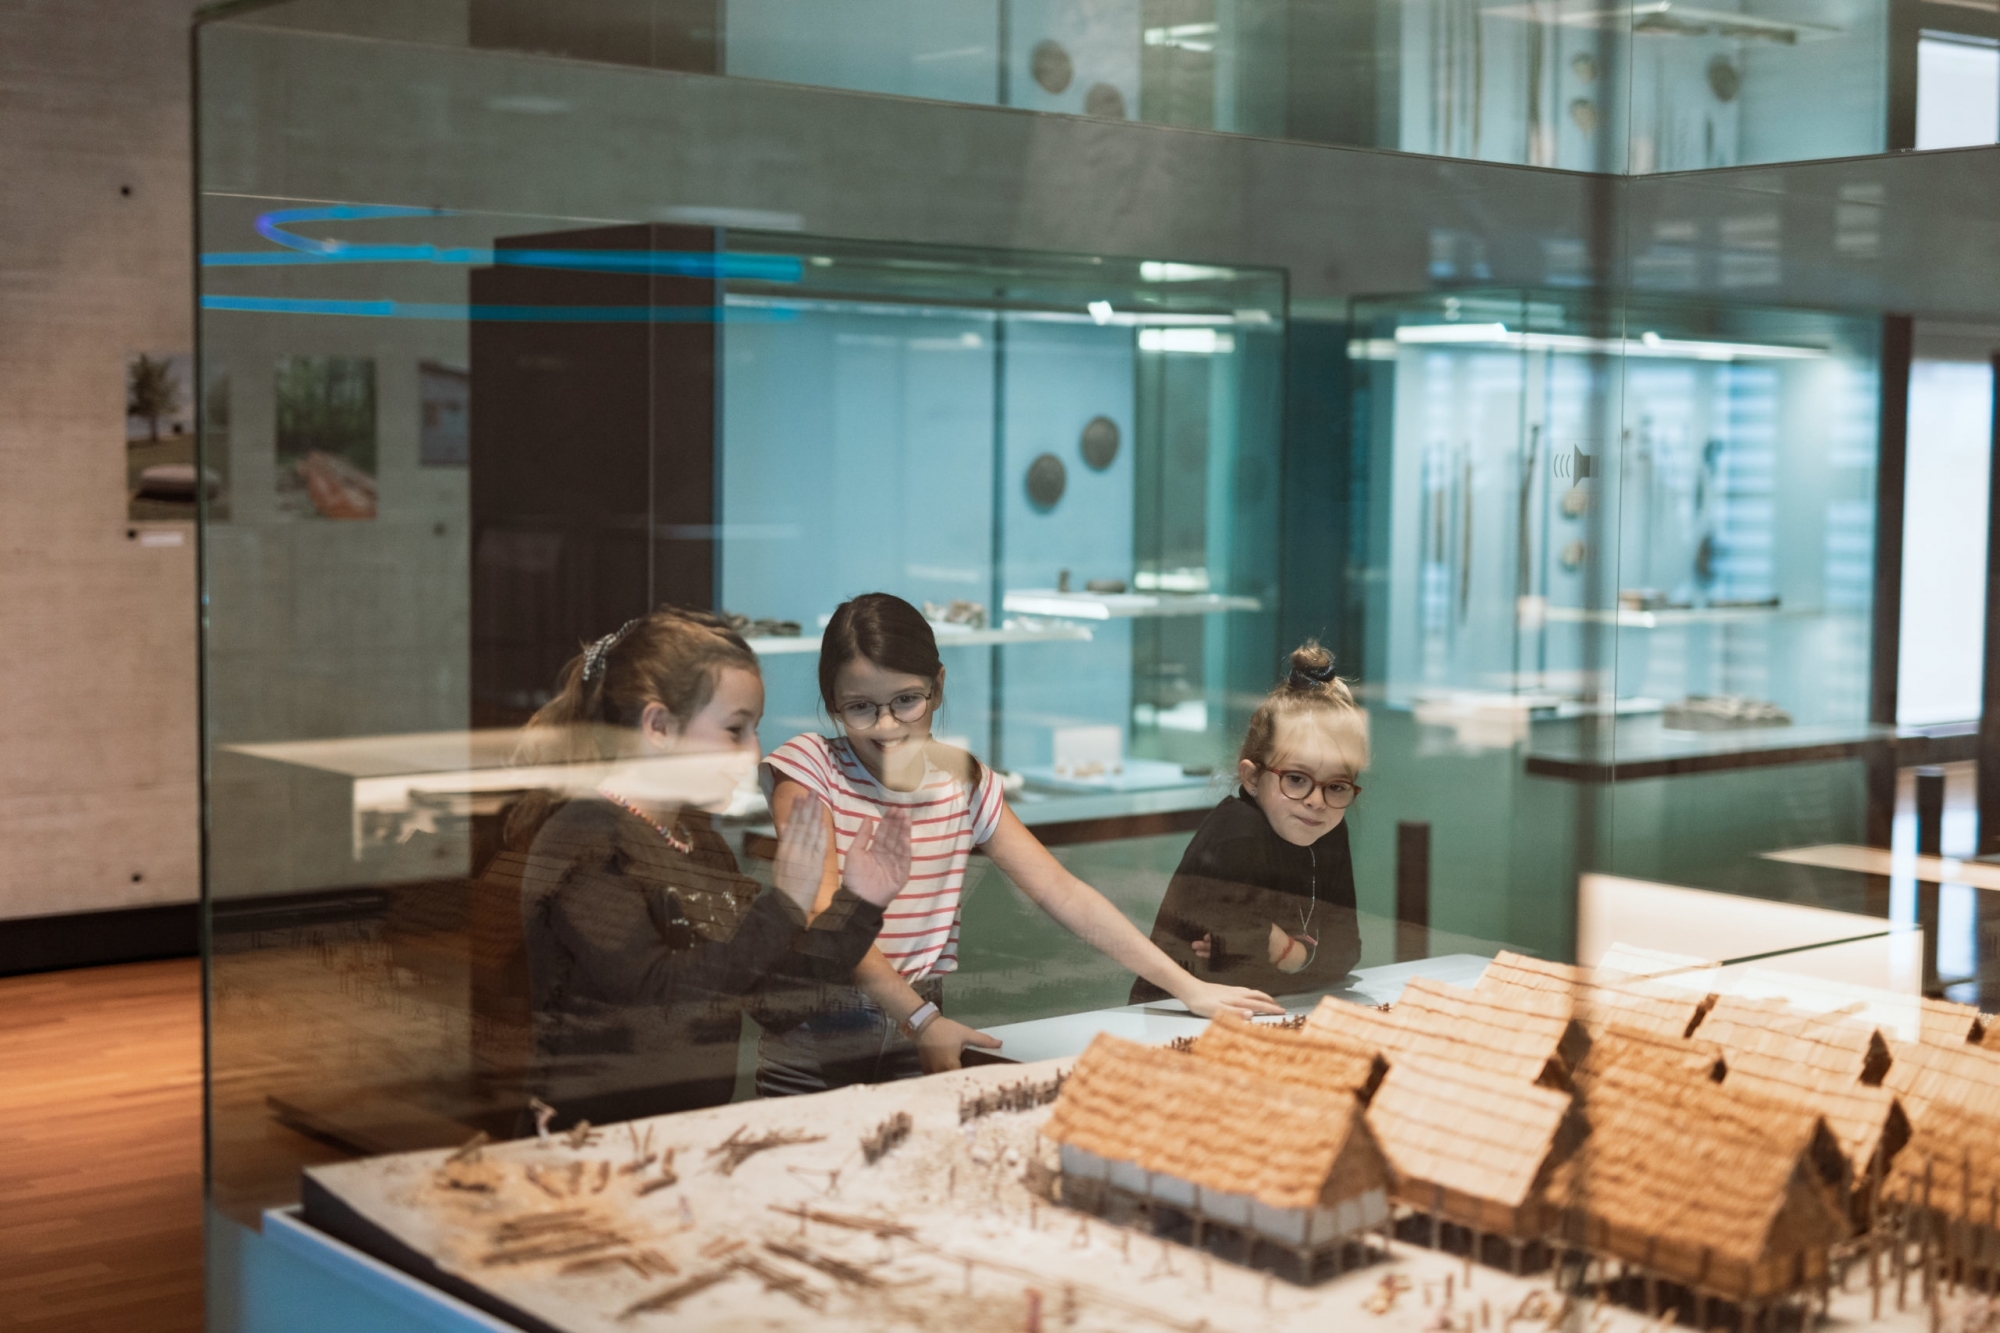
(941, 1045)
(801, 858)
(1205, 999)
(878, 862)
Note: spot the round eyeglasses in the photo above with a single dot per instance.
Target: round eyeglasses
(861, 714)
(1338, 794)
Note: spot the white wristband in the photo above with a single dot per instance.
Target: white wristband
(921, 1018)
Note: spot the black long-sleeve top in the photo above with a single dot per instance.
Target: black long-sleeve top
(642, 956)
(1236, 880)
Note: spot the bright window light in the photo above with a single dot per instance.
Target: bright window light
(1958, 91)
(1198, 342)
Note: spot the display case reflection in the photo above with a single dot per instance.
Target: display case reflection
(1736, 452)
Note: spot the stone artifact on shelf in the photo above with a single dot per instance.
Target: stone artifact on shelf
(1722, 712)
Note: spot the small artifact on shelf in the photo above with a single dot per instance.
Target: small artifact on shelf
(958, 611)
(764, 627)
(1722, 712)
(1104, 585)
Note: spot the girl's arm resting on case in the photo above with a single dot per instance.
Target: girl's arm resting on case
(940, 1043)
(1089, 916)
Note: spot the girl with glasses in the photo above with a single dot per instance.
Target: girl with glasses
(1264, 895)
(882, 682)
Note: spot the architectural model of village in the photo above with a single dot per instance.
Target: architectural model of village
(1554, 1148)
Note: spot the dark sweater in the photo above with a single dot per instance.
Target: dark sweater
(642, 957)
(1236, 880)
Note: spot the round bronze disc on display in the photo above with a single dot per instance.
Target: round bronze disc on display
(1050, 65)
(1100, 443)
(1724, 79)
(1104, 101)
(1047, 479)
(1583, 112)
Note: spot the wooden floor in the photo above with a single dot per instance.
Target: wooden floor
(100, 1150)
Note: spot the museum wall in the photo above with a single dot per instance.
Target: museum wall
(98, 770)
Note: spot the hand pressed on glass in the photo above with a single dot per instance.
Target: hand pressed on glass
(801, 853)
(878, 862)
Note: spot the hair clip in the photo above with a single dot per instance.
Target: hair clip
(595, 654)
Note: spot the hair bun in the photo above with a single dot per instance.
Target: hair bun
(1312, 667)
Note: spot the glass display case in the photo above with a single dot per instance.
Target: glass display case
(519, 324)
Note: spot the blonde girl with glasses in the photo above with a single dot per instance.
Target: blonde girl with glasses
(1264, 895)
(882, 682)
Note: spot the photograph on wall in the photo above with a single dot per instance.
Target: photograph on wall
(443, 438)
(326, 436)
(160, 454)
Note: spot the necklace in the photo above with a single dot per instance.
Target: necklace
(1306, 914)
(685, 846)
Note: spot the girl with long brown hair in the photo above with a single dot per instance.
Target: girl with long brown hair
(644, 939)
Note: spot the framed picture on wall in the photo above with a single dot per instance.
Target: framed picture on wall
(160, 467)
(326, 437)
(443, 438)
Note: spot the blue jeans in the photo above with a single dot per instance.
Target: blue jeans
(846, 1040)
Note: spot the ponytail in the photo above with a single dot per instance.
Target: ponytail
(672, 657)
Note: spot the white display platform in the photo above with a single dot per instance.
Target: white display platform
(296, 1279)
(1067, 1034)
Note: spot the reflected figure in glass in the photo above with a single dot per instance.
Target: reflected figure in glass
(644, 938)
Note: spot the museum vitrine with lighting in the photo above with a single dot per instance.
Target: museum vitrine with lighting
(1107, 335)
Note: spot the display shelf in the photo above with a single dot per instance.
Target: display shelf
(1673, 617)
(1123, 605)
(1642, 747)
(948, 636)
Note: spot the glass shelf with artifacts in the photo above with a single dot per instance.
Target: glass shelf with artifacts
(1737, 448)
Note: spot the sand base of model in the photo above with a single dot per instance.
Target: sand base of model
(768, 1214)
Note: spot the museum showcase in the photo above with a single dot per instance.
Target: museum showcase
(1128, 664)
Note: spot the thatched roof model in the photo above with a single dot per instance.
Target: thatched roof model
(1943, 1023)
(1833, 1044)
(1517, 1035)
(1316, 1059)
(1673, 1058)
(1720, 1190)
(1598, 998)
(1865, 1120)
(1953, 1161)
(1472, 1144)
(1923, 1075)
(1216, 1127)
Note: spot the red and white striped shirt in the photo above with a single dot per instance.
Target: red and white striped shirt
(947, 820)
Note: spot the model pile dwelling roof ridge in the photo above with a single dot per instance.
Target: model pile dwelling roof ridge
(1834, 1044)
(1516, 1034)
(1671, 1057)
(1922, 1075)
(1721, 1190)
(1217, 1127)
(1318, 1059)
(1598, 997)
(1470, 1145)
